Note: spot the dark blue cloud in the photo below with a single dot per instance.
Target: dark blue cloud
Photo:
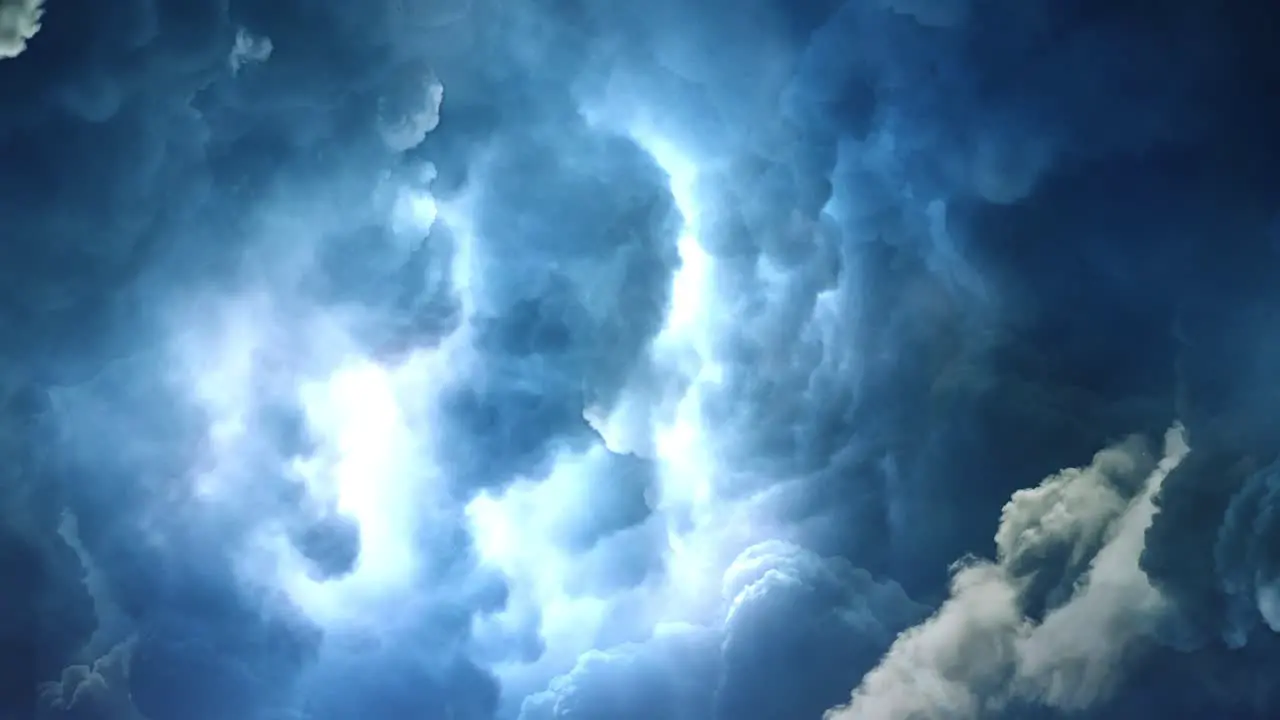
(458, 359)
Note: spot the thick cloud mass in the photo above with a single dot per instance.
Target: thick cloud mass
(821, 621)
(731, 360)
(981, 653)
(19, 22)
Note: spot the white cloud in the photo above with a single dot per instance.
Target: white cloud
(1072, 509)
(369, 456)
(19, 22)
(980, 651)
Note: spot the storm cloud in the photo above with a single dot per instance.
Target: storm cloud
(465, 359)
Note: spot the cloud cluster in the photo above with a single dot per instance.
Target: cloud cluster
(19, 22)
(983, 651)
(462, 359)
(794, 629)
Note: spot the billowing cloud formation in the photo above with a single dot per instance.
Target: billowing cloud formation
(795, 629)
(100, 690)
(19, 22)
(467, 359)
(406, 121)
(1080, 532)
(249, 49)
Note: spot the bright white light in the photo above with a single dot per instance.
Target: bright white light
(680, 440)
(691, 286)
(369, 463)
(464, 269)
(680, 168)
(414, 213)
(373, 467)
(689, 289)
(358, 411)
(496, 532)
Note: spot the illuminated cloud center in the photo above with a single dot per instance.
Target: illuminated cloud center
(363, 428)
(516, 529)
(685, 348)
(375, 466)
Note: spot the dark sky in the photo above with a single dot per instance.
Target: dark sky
(587, 360)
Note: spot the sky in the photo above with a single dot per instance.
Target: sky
(585, 360)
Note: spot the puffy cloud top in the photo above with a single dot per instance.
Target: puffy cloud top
(19, 22)
(467, 359)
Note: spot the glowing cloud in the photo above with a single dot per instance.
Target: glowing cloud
(561, 571)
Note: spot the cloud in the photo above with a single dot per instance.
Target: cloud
(48, 613)
(981, 653)
(19, 22)
(214, 518)
(931, 13)
(794, 629)
(100, 690)
(249, 49)
(405, 121)
(464, 359)
(551, 336)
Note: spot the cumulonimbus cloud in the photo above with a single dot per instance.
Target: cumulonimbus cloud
(708, 337)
